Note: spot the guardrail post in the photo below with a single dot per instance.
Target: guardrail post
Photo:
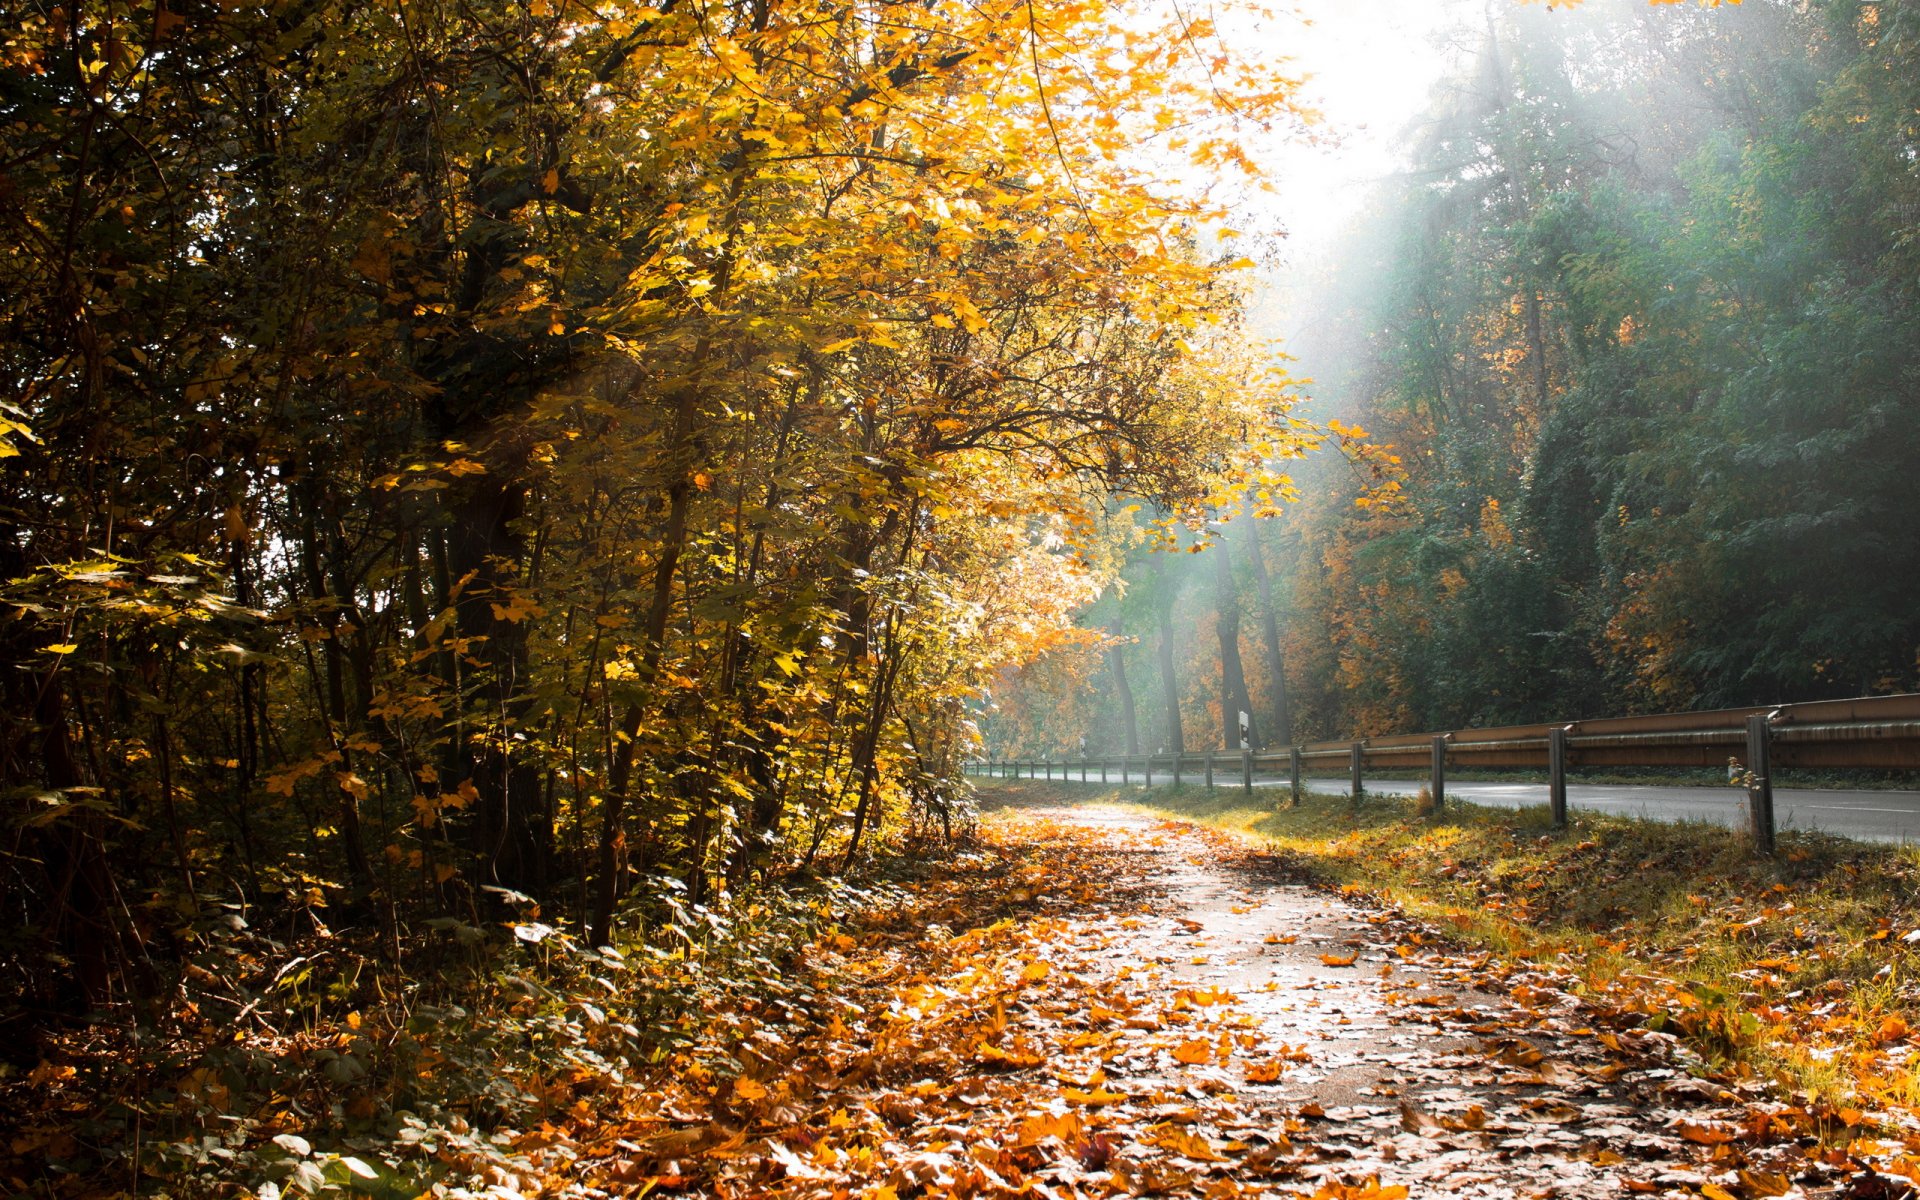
(1358, 756)
(1209, 770)
(1439, 785)
(1083, 770)
(1293, 772)
(1177, 764)
(1246, 771)
(1557, 775)
(1125, 762)
(1760, 783)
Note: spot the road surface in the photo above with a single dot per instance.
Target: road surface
(1871, 816)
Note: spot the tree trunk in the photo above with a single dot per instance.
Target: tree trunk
(1233, 676)
(673, 538)
(81, 922)
(1116, 656)
(1279, 723)
(486, 550)
(1169, 683)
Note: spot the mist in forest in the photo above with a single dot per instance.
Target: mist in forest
(1633, 327)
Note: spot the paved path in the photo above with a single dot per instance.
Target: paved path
(1870, 816)
(1865, 816)
(1403, 1060)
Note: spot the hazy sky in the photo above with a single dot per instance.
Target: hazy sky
(1371, 66)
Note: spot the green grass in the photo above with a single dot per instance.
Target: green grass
(1794, 967)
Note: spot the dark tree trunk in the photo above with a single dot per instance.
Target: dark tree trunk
(485, 551)
(81, 923)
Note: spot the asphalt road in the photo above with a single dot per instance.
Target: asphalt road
(1878, 816)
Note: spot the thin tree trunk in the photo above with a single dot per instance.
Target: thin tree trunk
(1129, 717)
(1279, 723)
(866, 749)
(1233, 676)
(1169, 683)
(673, 537)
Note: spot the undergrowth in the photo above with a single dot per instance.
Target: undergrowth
(319, 1064)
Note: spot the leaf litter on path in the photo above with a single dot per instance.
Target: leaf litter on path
(1100, 1004)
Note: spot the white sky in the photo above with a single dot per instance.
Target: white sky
(1371, 65)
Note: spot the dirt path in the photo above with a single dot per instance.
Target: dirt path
(1419, 1075)
(1160, 1012)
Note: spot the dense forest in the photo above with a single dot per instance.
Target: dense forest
(528, 464)
(1640, 322)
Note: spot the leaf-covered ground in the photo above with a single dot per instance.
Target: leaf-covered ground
(1098, 1003)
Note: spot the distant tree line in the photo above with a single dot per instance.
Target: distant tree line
(1641, 322)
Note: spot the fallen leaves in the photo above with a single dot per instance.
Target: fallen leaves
(1069, 1049)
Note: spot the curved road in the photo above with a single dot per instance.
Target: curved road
(1872, 816)
(1864, 816)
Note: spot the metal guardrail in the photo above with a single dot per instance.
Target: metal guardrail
(1868, 732)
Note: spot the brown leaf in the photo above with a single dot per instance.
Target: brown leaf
(1414, 1120)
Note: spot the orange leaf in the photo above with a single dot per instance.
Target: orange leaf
(1093, 1098)
(988, 1054)
(1340, 960)
(1185, 1144)
(1705, 1135)
(1194, 1052)
(1764, 1183)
